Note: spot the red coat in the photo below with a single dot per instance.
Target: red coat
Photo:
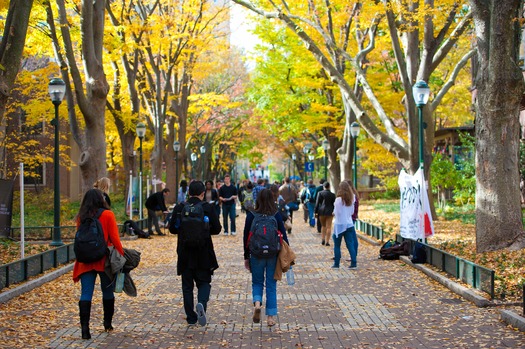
(111, 235)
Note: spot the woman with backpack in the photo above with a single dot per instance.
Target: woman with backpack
(94, 206)
(261, 250)
(344, 225)
(183, 192)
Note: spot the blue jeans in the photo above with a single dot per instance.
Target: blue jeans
(351, 244)
(262, 275)
(228, 210)
(311, 213)
(202, 279)
(87, 282)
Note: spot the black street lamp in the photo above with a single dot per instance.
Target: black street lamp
(193, 159)
(421, 92)
(326, 146)
(305, 151)
(203, 152)
(354, 132)
(57, 90)
(141, 132)
(216, 165)
(294, 157)
(176, 148)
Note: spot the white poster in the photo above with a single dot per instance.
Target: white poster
(416, 218)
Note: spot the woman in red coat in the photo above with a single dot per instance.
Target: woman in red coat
(87, 272)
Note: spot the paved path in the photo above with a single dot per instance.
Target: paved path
(382, 304)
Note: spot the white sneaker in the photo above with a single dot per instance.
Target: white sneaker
(201, 315)
(226, 233)
(234, 233)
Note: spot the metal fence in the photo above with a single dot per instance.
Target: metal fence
(23, 269)
(370, 229)
(479, 277)
(20, 270)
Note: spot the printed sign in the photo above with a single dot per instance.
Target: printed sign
(309, 167)
(416, 218)
(6, 206)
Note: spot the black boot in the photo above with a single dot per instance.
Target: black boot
(109, 310)
(85, 313)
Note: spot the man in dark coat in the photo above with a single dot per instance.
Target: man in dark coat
(155, 203)
(196, 264)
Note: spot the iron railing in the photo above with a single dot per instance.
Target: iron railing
(475, 275)
(22, 269)
(370, 229)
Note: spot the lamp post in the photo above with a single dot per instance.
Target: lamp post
(421, 92)
(354, 132)
(57, 90)
(305, 151)
(203, 152)
(141, 132)
(193, 159)
(216, 165)
(294, 157)
(326, 146)
(176, 148)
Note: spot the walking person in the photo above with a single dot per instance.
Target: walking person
(318, 189)
(183, 192)
(156, 203)
(103, 185)
(211, 196)
(94, 205)
(262, 268)
(344, 225)
(227, 196)
(196, 256)
(309, 198)
(324, 209)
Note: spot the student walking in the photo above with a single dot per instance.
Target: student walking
(227, 196)
(344, 225)
(93, 205)
(103, 185)
(262, 231)
(324, 209)
(194, 222)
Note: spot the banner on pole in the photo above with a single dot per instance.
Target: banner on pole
(416, 218)
(6, 206)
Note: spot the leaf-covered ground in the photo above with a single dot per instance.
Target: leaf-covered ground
(458, 239)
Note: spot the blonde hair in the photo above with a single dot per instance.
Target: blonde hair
(102, 184)
(352, 188)
(345, 193)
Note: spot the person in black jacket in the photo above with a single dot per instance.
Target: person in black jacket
(196, 264)
(154, 203)
(324, 209)
(211, 196)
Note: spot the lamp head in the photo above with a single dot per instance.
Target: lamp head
(294, 157)
(203, 149)
(354, 129)
(193, 157)
(176, 146)
(57, 90)
(326, 145)
(141, 130)
(310, 157)
(421, 93)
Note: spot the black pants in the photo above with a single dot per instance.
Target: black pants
(201, 278)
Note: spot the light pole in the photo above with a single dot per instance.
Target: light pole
(294, 157)
(193, 159)
(57, 90)
(421, 92)
(176, 148)
(203, 152)
(326, 146)
(216, 165)
(141, 132)
(354, 132)
(305, 151)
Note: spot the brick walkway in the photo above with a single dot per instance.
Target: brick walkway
(383, 304)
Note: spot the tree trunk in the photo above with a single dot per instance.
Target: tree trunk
(500, 89)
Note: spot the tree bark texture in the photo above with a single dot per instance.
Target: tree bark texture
(500, 88)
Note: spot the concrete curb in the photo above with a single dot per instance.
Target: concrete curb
(32, 284)
(370, 240)
(513, 319)
(464, 292)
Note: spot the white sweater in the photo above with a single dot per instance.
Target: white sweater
(343, 216)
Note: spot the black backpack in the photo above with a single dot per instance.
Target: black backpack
(419, 253)
(131, 227)
(90, 245)
(264, 239)
(194, 226)
(392, 250)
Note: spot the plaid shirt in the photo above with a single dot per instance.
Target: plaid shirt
(256, 191)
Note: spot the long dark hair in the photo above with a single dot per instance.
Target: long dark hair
(265, 203)
(345, 193)
(92, 201)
